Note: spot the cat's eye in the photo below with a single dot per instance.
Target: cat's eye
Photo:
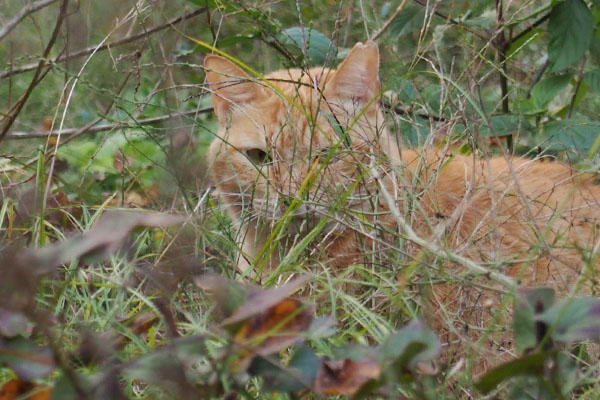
(257, 156)
(324, 151)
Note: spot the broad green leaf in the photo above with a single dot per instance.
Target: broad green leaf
(532, 364)
(595, 46)
(415, 131)
(246, 35)
(433, 97)
(405, 90)
(64, 389)
(300, 373)
(410, 20)
(547, 89)
(485, 20)
(28, 359)
(414, 342)
(565, 373)
(505, 125)
(593, 79)
(318, 45)
(528, 303)
(571, 27)
(518, 45)
(572, 135)
(574, 320)
(222, 5)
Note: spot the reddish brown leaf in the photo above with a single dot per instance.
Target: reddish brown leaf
(17, 389)
(260, 300)
(345, 377)
(278, 327)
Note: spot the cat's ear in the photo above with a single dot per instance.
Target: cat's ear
(357, 76)
(230, 85)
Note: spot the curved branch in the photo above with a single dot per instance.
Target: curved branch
(28, 10)
(103, 127)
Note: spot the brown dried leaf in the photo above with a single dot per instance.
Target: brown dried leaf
(278, 327)
(106, 236)
(18, 389)
(345, 377)
(260, 300)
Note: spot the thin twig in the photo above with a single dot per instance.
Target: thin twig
(454, 22)
(530, 28)
(432, 245)
(502, 46)
(90, 50)
(390, 20)
(37, 76)
(104, 127)
(537, 77)
(27, 10)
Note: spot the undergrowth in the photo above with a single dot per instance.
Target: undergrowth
(97, 302)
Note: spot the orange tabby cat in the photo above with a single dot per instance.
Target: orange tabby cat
(308, 145)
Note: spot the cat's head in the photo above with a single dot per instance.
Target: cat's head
(304, 135)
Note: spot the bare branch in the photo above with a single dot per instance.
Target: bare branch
(389, 21)
(27, 10)
(12, 114)
(104, 127)
(90, 50)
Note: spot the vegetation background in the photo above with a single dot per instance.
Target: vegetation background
(103, 106)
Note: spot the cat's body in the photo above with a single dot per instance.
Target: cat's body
(537, 222)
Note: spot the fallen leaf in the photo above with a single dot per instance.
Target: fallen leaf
(346, 377)
(260, 300)
(28, 359)
(278, 327)
(24, 390)
(105, 237)
(13, 323)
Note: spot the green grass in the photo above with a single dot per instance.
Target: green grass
(440, 76)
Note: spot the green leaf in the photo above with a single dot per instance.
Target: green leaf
(299, 374)
(565, 373)
(246, 35)
(410, 20)
(593, 79)
(571, 27)
(528, 303)
(319, 46)
(221, 5)
(64, 389)
(547, 89)
(518, 45)
(28, 359)
(405, 89)
(414, 342)
(505, 125)
(573, 135)
(528, 365)
(485, 20)
(415, 130)
(432, 96)
(574, 320)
